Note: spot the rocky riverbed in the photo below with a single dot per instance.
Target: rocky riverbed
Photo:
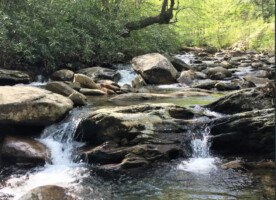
(198, 125)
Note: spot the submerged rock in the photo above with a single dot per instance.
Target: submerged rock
(63, 75)
(30, 106)
(87, 91)
(138, 135)
(23, 150)
(245, 100)
(247, 133)
(47, 192)
(154, 96)
(12, 77)
(155, 68)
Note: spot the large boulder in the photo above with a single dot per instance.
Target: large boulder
(24, 150)
(47, 192)
(67, 91)
(63, 75)
(247, 133)
(12, 77)
(99, 73)
(245, 100)
(138, 135)
(218, 73)
(30, 106)
(155, 68)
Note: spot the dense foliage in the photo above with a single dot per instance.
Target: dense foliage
(228, 23)
(48, 34)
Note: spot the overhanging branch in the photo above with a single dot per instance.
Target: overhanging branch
(164, 17)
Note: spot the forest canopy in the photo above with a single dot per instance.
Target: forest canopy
(49, 34)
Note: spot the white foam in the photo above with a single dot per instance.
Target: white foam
(198, 165)
(62, 170)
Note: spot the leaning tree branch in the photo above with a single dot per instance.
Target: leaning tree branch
(166, 14)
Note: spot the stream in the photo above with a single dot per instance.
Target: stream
(198, 177)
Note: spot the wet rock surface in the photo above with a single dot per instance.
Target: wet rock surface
(47, 192)
(23, 150)
(245, 133)
(135, 136)
(245, 100)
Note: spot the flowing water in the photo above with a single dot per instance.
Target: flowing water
(198, 177)
(201, 161)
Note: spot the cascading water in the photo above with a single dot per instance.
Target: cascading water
(127, 74)
(62, 171)
(201, 161)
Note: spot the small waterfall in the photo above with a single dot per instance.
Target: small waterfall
(127, 74)
(63, 171)
(201, 161)
(40, 81)
(200, 146)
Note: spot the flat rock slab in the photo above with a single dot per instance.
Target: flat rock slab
(245, 100)
(12, 77)
(135, 136)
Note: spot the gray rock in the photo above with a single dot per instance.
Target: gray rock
(23, 150)
(31, 106)
(12, 77)
(47, 192)
(155, 69)
(189, 76)
(245, 100)
(65, 90)
(63, 75)
(248, 133)
(99, 73)
(218, 73)
(134, 136)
